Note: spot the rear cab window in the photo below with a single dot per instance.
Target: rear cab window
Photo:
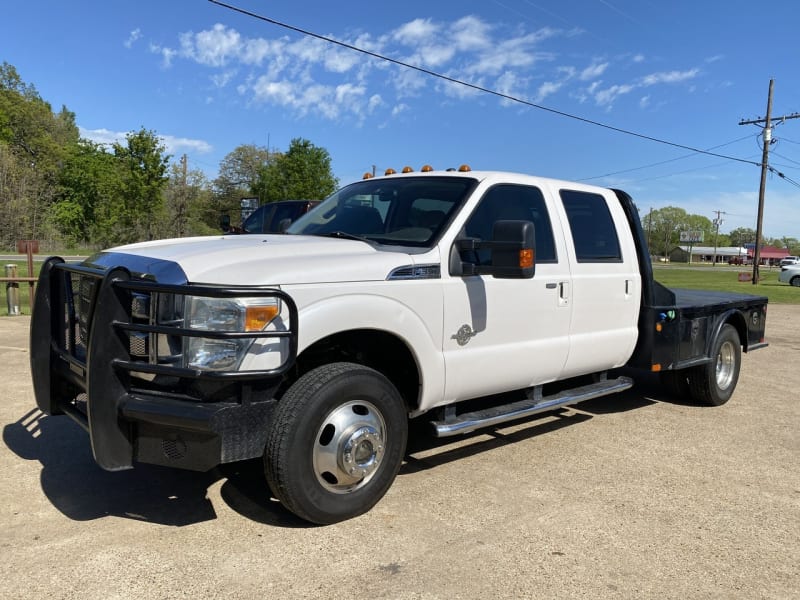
(594, 235)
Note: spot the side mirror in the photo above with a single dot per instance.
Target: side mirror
(225, 223)
(513, 252)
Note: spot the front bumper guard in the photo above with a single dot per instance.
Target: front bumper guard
(96, 387)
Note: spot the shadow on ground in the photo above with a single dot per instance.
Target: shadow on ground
(82, 491)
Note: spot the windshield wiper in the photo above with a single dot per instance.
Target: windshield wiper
(344, 236)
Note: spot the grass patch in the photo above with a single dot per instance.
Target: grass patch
(725, 279)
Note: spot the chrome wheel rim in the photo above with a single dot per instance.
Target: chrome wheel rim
(349, 447)
(726, 363)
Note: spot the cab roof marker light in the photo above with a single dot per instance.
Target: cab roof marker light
(426, 168)
(464, 169)
(407, 169)
(389, 171)
(367, 175)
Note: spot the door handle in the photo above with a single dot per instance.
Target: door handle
(563, 293)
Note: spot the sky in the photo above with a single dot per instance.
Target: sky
(208, 79)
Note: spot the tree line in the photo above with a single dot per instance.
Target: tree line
(70, 192)
(663, 226)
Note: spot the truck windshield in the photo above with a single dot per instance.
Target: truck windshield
(401, 211)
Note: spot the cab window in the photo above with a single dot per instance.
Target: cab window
(594, 235)
(511, 202)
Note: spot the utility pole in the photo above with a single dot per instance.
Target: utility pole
(183, 198)
(717, 222)
(767, 135)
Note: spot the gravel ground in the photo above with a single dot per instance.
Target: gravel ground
(632, 496)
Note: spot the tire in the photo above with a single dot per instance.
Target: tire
(336, 442)
(713, 384)
(795, 281)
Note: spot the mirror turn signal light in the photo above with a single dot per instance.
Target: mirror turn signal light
(526, 258)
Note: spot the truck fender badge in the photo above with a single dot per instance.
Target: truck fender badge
(464, 335)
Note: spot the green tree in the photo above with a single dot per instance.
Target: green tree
(742, 235)
(662, 228)
(791, 244)
(34, 143)
(188, 204)
(138, 207)
(89, 177)
(238, 175)
(302, 173)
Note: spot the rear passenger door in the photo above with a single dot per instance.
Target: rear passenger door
(606, 284)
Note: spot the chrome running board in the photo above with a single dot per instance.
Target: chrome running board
(454, 424)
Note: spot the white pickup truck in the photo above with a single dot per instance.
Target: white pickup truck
(464, 298)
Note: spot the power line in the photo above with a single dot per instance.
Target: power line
(471, 85)
(786, 158)
(715, 165)
(784, 177)
(663, 162)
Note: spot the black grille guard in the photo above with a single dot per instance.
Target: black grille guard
(63, 368)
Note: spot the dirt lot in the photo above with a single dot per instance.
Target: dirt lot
(631, 496)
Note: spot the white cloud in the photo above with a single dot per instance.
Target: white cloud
(255, 51)
(310, 76)
(669, 77)
(470, 33)
(102, 136)
(518, 52)
(399, 108)
(644, 101)
(408, 83)
(608, 95)
(167, 54)
(546, 89)
(213, 47)
(221, 80)
(172, 144)
(510, 84)
(135, 35)
(374, 102)
(415, 32)
(175, 145)
(593, 72)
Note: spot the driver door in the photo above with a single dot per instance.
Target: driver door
(506, 334)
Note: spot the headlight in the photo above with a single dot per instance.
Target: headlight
(224, 314)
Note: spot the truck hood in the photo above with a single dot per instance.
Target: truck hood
(268, 259)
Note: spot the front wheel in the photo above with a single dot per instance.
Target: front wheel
(795, 281)
(713, 384)
(336, 442)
